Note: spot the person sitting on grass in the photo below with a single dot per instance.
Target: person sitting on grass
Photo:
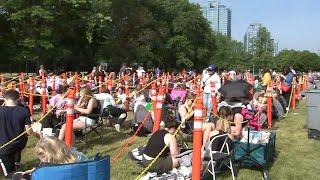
(168, 159)
(88, 107)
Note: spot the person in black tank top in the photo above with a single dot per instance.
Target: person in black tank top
(88, 107)
(156, 144)
(168, 159)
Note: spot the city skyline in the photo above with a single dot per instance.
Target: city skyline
(292, 23)
(218, 15)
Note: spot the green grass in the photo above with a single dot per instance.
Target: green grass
(297, 156)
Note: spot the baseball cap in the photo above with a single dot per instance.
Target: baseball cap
(212, 67)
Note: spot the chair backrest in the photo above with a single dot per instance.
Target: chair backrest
(219, 143)
(87, 170)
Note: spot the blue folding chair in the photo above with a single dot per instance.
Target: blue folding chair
(87, 170)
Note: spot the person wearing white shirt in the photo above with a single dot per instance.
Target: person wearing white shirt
(293, 71)
(140, 72)
(107, 102)
(210, 76)
(106, 99)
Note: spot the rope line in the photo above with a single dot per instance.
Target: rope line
(124, 146)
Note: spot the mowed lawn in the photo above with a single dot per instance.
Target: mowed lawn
(297, 156)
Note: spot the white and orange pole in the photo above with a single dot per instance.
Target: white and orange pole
(293, 104)
(197, 139)
(298, 88)
(269, 105)
(158, 110)
(21, 85)
(126, 90)
(214, 98)
(44, 95)
(69, 118)
(31, 92)
(154, 98)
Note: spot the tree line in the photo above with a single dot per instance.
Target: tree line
(77, 34)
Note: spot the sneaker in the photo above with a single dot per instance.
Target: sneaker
(117, 127)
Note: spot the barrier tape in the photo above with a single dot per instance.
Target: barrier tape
(124, 146)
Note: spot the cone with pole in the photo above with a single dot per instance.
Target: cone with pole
(197, 138)
(70, 117)
(269, 105)
(44, 95)
(293, 100)
(158, 110)
(31, 92)
(214, 98)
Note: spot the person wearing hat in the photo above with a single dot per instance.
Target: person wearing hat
(210, 76)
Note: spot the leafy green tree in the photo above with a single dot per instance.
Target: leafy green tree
(49, 31)
(300, 60)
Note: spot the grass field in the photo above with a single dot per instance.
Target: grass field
(297, 156)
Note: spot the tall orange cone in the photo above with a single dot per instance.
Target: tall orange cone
(100, 84)
(269, 105)
(126, 90)
(44, 95)
(197, 139)
(293, 98)
(31, 92)
(158, 110)
(70, 118)
(214, 98)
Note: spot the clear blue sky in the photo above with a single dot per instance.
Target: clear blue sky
(295, 24)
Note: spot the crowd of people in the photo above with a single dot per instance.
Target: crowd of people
(233, 90)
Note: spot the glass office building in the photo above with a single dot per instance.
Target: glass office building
(217, 14)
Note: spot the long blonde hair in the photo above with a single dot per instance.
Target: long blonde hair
(87, 96)
(53, 150)
(223, 125)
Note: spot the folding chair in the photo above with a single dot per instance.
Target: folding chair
(81, 134)
(220, 155)
(87, 170)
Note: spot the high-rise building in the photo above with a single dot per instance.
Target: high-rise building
(251, 34)
(275, 47)
(217, 14)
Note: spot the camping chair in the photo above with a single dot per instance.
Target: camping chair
(87, 170)
(81, 134)
(220, 154)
